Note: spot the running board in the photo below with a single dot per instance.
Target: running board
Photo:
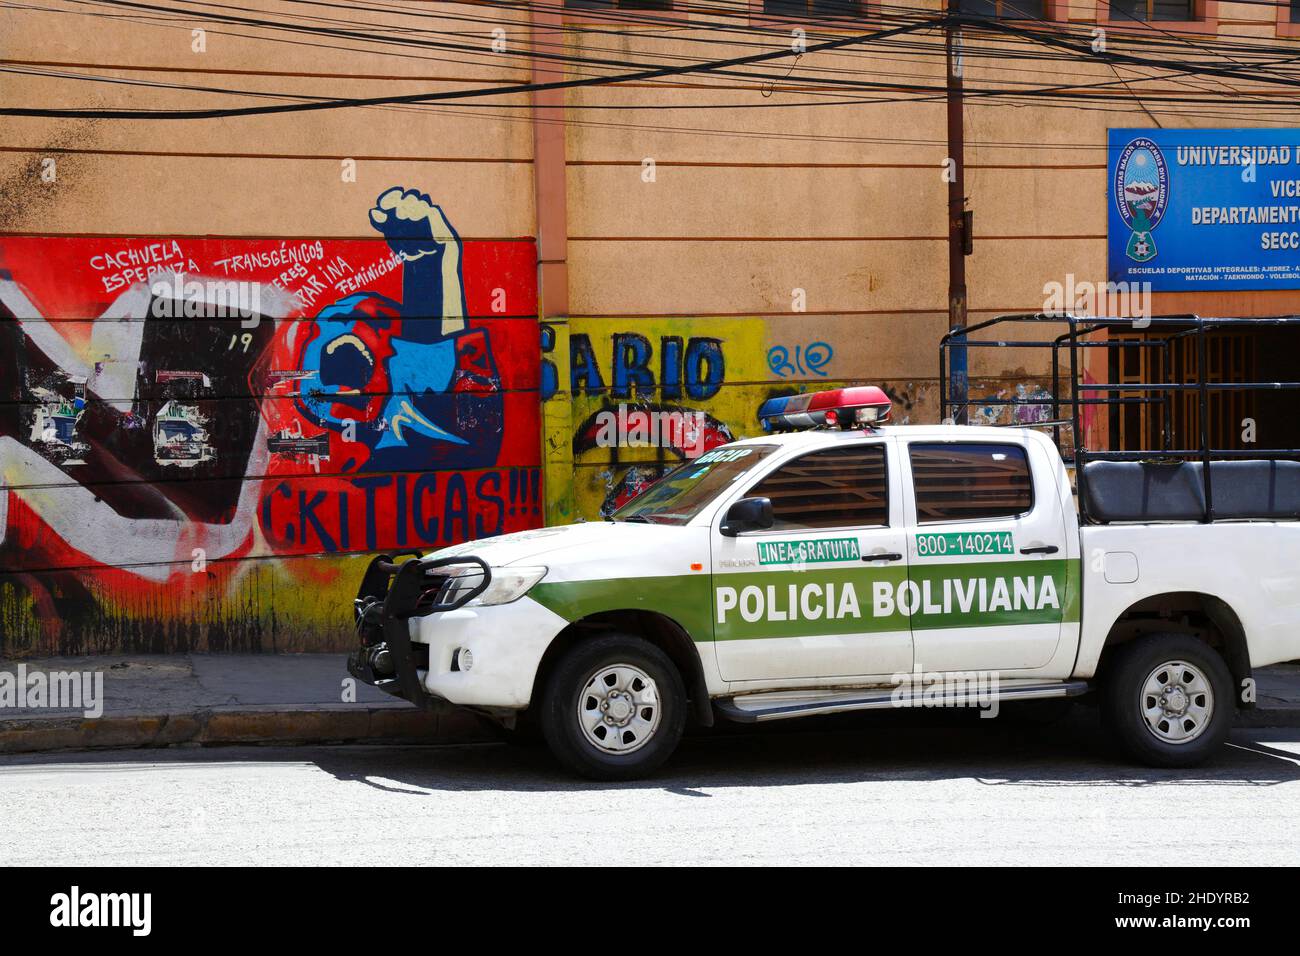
(753, 708)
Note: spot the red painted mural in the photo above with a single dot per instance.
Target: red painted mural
(201, 438)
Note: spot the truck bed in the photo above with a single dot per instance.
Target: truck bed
(1119, 491)
(1249, 572)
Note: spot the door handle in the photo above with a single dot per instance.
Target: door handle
(1045, 549)
(883, 556)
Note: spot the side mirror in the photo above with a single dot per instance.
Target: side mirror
(747, 514)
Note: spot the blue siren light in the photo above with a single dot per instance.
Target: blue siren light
(860, 406)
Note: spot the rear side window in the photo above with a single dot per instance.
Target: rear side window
(834, 488)
(967, 481)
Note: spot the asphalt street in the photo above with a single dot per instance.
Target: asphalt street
(859, 791)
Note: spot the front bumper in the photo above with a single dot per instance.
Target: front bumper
(390, 596)
(412, 645)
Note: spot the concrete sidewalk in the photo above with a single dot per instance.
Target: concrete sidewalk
(162, 700)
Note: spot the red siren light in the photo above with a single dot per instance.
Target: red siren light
(860, 405)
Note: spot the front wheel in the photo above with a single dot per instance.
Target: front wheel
(614, 709)
(1167, 700)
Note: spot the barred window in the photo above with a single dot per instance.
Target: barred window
(834, 488)
(618, 4)
(967, 481)
(1147, 10)
(819, 9)
(1004, 9)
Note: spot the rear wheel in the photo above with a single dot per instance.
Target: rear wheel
(614, 709)
(1167, 700)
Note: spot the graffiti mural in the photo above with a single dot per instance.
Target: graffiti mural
(203, 438)
(607, 381)
(1021, 403)
(699, 432)
(712, 373)
(812, 358)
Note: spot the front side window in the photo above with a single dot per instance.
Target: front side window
(966, 481)
(834, 488)
(681, 494)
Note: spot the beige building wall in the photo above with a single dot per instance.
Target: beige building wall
(828, 224)
(673, 257)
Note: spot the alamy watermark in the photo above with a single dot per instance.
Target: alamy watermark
(176, 297)
(1090, 300)
(947, 689)
(24, 689)
(632, 427)
(76, 909)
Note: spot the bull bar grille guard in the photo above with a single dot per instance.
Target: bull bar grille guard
(390, 594)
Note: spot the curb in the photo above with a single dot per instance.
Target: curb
(378, 725)
(372, 725)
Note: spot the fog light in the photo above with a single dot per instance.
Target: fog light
(462, 660)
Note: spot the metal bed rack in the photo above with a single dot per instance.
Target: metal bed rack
(1161, 332)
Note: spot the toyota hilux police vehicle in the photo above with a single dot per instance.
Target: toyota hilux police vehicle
(830, 564)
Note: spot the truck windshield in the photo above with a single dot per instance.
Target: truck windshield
(678, 496)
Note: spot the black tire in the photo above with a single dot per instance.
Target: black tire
(569, 682)
(1122, 700)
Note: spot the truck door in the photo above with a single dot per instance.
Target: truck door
(794, 601)
(987, 572)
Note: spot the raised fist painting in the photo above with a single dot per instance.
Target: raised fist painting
(409, 381)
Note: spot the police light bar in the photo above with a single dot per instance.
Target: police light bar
(862, 405)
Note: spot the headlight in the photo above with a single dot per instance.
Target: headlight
(507, 584)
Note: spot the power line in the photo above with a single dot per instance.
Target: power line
(630, 18)
(710, 66)
(659, 71)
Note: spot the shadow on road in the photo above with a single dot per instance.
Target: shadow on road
(848, 749)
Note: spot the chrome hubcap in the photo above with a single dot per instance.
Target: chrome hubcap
(1177, 702)
(618, 709)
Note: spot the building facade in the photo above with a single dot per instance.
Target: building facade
(244, 353)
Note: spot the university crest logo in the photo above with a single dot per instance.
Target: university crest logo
(1142, 194)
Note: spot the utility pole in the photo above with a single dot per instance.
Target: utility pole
(959, 239)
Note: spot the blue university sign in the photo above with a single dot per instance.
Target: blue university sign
(1203, 210)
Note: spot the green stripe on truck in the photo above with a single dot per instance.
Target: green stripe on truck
(790, 603)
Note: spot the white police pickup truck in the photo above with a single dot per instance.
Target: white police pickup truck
(850, 566)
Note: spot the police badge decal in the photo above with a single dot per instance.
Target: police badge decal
(1142, 194)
